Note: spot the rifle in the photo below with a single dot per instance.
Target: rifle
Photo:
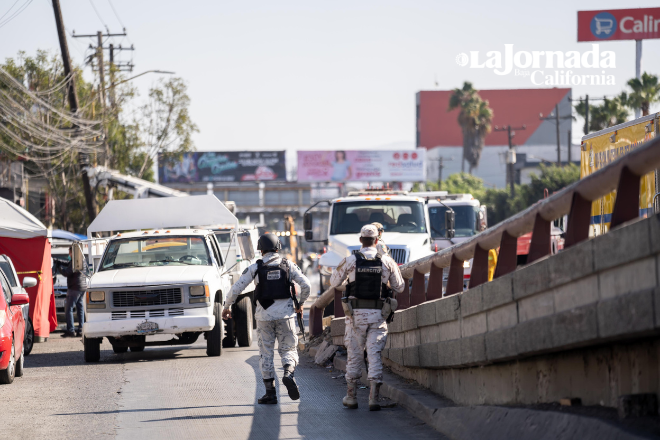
(296, 304)
(298, 315)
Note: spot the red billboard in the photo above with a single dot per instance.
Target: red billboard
(619, 24)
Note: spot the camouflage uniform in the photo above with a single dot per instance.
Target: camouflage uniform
(278, 320)
(367, 328)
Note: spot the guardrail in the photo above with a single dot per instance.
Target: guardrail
(622, 175)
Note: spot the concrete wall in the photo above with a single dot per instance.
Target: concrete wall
(583, 323)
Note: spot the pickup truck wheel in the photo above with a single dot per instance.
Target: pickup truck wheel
(20, 364)
(243, 318)
(92, 349)
(141, 347)
(214, 339)
(119, 350)
(230, 340)
(28, 343)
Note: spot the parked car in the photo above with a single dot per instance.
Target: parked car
(7, 267)
(12, 331)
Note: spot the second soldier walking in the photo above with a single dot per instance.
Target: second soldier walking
(368, 303)
(275, 313)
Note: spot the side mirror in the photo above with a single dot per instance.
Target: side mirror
(309, 235)
(483, 219)
(78, 258)
(19, 299)
(450, 223)
(307, 222)
(245, 244)
(29, 282)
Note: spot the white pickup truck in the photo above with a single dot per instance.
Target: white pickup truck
(160, 278)
(404, 218)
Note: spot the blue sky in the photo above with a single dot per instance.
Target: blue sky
(318, 75)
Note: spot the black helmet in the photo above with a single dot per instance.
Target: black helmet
(269, 242)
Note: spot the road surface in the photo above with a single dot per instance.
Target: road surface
(179, 392)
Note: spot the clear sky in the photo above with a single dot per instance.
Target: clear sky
(318, 75)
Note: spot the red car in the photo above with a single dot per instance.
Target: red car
(12, 331)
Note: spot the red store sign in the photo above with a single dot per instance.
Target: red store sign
(619, 24)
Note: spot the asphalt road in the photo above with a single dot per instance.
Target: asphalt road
(179, 392)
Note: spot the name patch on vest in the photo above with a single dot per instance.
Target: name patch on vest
(369, 270)
(273, 275)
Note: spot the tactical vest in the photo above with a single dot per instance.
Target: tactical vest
(368, 282)
(273, 283)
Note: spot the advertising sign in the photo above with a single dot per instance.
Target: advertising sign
(619, 24)
(362, 165)
(229, 166)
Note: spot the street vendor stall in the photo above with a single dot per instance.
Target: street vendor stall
(26, 241)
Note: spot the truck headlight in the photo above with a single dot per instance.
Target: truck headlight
(97, 296)
(199, 290)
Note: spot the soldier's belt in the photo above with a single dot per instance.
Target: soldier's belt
(366, 303)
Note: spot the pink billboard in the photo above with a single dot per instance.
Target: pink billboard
(362, 166)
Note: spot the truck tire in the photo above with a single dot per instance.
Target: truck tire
(119, 350)
(140, 348)
(214, 338)
(28, 343)
(20, 364)
(230, 339)
(92, 349)
(242, 314)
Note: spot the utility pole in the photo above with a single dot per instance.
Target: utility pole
(556, 118)
(587, 110)
(83, 159)
(511, 156)
(111, 70)
(441, 164)
(570, 144)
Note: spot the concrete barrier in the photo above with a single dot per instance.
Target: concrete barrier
(583, 323)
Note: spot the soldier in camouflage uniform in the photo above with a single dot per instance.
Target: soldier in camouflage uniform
(275, 313)
(381, 247)
(368, 273)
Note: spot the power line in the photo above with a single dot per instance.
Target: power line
(15, 14)
(116, 15)
(99, 15)
(8, 10)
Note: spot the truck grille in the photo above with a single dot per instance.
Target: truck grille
(138, 298)
(147, 314)
(398, 255)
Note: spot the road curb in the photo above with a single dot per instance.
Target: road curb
(492, 422)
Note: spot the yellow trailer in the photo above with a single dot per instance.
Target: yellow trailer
(604, 147)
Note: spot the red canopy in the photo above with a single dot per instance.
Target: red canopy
(31, 258)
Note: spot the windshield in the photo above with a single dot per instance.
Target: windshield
(466, 220)
(406, 217)
(155, 251)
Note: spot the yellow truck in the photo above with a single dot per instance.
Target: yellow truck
(604, 147)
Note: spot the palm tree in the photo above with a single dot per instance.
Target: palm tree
(646, 91)
(611, 112)
(475, 117)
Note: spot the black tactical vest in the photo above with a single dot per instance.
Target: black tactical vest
(368, 278)
(273, 283)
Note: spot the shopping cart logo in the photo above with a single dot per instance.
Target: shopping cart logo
(603, 25)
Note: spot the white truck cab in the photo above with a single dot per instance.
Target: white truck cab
(469, 219)
(404, 218)
(167, 276)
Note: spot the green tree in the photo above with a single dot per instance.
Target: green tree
(645, 91)
(611, 112)
(475, 117)
(168, 128)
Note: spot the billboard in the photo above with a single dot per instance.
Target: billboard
(362, 165)
(619, 24)
(228, 166)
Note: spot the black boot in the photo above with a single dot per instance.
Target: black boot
(270, 398)
(290, 383)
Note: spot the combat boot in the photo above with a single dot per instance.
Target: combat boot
(270, 398)
(350, 401)
(290, 382)
(374, 396)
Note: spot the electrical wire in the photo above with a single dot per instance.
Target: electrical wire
(8, 10)
(98, 15)
(16, 14)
